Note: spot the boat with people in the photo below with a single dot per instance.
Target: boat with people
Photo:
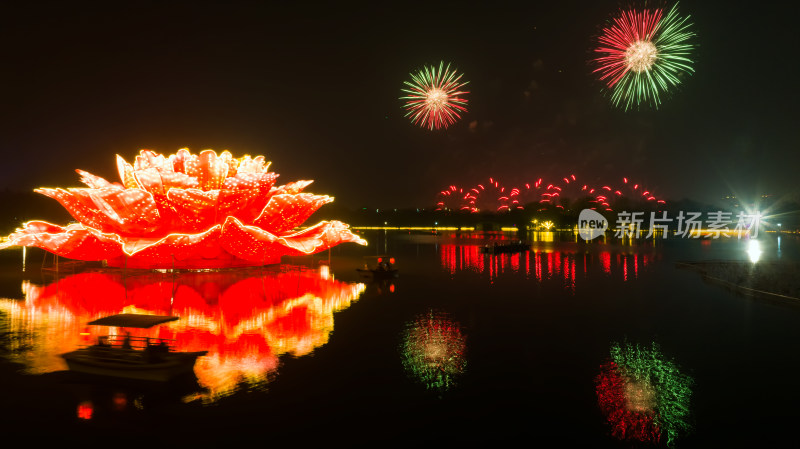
(379, 267)
(513, 247)
(130, 357)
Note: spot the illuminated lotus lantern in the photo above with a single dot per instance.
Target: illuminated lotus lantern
(245, 319)
(433, 350)
(643, 395)
(186, 211)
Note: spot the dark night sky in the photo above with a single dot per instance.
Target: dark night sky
(315, 89)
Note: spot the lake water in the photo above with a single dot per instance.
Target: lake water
(599, 344)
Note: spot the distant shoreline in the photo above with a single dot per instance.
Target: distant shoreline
(772, 280)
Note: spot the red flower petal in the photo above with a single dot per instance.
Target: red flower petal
(250, 181)
(256, 245)
(131, 211)
(209, 170)
(73, 242)
(249, 243)
(286, 212)
(244, 195)
(174, 248)
(158, 183)
(255, 187)
(196, 208)
(180, 159)
(80, 205)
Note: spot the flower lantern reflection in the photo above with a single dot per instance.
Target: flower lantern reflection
(186, 211)
(433, 350)
(643, 395)
(246, 319)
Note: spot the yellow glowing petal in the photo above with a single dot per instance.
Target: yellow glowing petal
(149, 159)
(95, 182)
(126, 174)
(230, 162)
(291, 188)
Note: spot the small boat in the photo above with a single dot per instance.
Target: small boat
(505, 248)
(140, 358)
(379, 267)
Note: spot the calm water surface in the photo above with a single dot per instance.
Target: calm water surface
(462, 347)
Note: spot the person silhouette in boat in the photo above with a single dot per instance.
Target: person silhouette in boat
(162, 346)
(126, 344)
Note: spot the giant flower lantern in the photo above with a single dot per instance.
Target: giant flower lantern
(186, 211)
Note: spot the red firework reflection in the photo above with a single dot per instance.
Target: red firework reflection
(629, 408)
(245, 319)
(542, 264)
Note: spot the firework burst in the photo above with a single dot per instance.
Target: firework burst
(434, 98)
(643, 54)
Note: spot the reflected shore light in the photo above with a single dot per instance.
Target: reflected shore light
(754, 250)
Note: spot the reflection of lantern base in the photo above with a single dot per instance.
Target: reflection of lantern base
(224, 260)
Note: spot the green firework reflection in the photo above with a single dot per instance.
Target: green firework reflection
(644, 395)
(433, 350)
